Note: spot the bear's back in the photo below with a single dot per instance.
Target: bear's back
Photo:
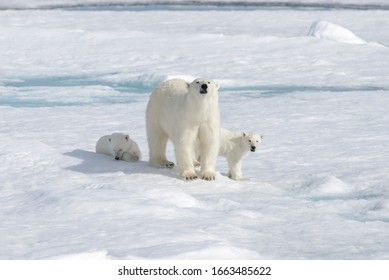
(102, 145)
(172, 87)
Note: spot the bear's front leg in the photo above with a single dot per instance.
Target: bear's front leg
(209, 150)
(131, 157)
(184, 150)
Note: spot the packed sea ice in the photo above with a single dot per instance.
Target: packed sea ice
(314, 82)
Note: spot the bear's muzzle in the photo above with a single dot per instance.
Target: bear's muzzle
(204, 89)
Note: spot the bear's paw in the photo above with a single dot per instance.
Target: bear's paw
(168, 164)
(189, 175)
(208, 175)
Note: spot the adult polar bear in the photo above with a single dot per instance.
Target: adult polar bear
(183, 112)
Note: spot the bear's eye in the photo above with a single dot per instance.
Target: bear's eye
(250, 141)
(209, 83)
(197, 82)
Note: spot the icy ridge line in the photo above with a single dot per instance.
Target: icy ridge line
(204, 4)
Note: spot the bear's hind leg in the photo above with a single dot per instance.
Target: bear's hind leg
(157, 148)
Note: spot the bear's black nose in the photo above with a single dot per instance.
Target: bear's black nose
(204, 86)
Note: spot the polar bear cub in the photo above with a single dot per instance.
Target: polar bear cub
(234, 146)
(183, 112)
(120, 146)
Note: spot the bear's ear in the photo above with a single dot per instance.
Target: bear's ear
(217, 85)
(109, 139)
(243, 134)
(127, 137)
(262, 136)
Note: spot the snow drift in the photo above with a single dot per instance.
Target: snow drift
(330, 31)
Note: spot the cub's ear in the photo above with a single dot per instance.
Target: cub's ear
(187, 85)
(243, 134)
(109, 139)
(217, 85)
(262, 136)
(127, 137)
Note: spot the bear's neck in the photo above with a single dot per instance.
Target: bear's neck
(201, 104)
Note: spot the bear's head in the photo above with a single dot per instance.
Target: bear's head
(203, 86)
(119, 144)
(251, 140)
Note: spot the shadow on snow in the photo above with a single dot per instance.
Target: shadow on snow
(99, 163)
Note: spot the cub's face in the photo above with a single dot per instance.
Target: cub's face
(252, 140)
(119, 143)
(203, 86)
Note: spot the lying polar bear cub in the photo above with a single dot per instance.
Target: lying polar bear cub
(120, 146)
(234, 146)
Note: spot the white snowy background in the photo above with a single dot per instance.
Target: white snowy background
(314, 81)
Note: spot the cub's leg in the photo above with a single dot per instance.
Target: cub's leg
(235, 168)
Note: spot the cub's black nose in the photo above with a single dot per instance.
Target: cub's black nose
(204, 86)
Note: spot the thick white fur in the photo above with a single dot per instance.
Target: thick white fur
(120, 146)
(234, 146)
(177, 110)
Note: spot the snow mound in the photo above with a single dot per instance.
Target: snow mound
(328, 185)
(330, 31)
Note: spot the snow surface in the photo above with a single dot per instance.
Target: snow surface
(319, 184)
